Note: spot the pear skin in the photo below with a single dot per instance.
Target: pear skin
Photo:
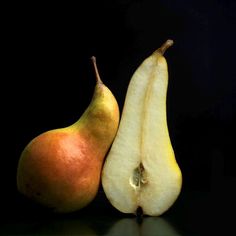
(61, 168)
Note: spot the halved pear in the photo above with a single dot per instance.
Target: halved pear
(140, 170)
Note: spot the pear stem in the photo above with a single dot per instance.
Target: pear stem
(98, 79)
(165, 46)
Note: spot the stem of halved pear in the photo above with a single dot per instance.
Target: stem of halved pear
(98, 79)
(165, 46)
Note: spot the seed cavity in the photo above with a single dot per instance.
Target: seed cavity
(139, 177)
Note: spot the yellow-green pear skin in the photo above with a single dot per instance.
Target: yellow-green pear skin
(61, 168)
(140, 171)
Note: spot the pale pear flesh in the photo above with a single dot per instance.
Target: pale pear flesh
(141, 169)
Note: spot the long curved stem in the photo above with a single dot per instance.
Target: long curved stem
(98, 79)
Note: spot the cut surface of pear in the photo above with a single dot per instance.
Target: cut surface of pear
(61, 168)
(140, 170)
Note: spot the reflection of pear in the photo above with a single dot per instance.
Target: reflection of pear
(124, 227)
(61, 168)
(57, 227)
(151, 226)
(64, 227)
(140, 170)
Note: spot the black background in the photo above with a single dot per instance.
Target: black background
(49, 80)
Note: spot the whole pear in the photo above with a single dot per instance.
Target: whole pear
(61, 168)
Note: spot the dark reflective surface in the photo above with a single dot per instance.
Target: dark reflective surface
(125, 226)
(191, 215)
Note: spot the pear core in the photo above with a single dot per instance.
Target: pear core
(138, 178)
